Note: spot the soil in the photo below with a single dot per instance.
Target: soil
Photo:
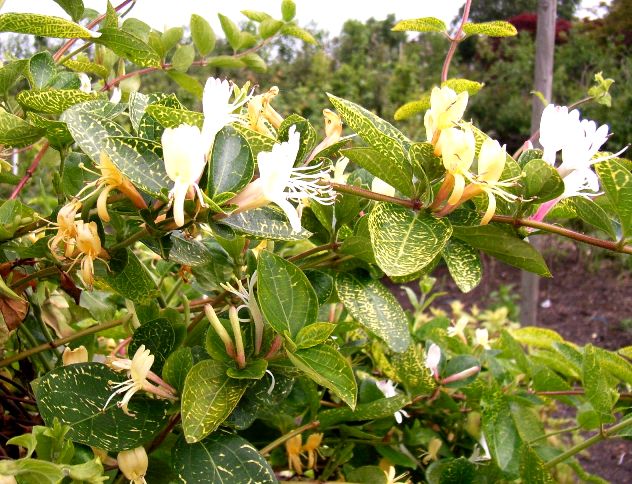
(588, 300)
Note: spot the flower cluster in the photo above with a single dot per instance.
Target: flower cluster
(455, 142)
(295, 449)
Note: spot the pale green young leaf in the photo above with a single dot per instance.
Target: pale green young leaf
(301, 34)
(412, 108)
(288, 10)
(74, 8)
(232, 32)
(129, 46)
(10, 72)
(541, 182)
(598, 392)
(87, 67)
(41, 69)
(55, 101)
(43, 25)
(255, 15)
(183, 58)
(616, 180)
(188, 83)
(171, 37)
(496, 28)
(423, 24)
(269, 27)
(225, 62)
(202, 34)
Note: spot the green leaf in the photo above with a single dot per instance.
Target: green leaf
(257, 141)
(221, 458)
(286, 297)
(532, 468)
(372, 474)
(140, 160)
(372, 161)
(54, 101)
(86, 66)
(295, 31)
(503, 246)
(314, 334)
(170, 39)
(424, 24)
(496, 28)
(32, 471)
(412, 372)
(187, 82)
(269, 27)
(183, 58)
(159, 337)
(306, 131)
(202, 34)
(56, 132)
(129, 46)
(171, 117)
(537, 337)
(232, 32)
(225, 62)
(74, 8)
(16, 132)
(264, 223)
(590, 212)
(208, 398)
(232, 165)
(411, 108)
(288, 10)
(464, 264)
(618, 367)
(128, 277)
(452, 471)
(41, 69)
(404, 241)
(189, 251)
(177, 367)
(598, 391)
(377, 133)
(616, 181)
(541, 182)
(14, 214)
(254, 370)
(90, 129)
(375, 308)
(424, 160)
(43, 25)
(500, 431)
(255, 15)
(77, 394)
(327, 367)
(10, 73)
(381, 408)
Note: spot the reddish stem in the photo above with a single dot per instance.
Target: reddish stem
(455, 41)
(29, 171)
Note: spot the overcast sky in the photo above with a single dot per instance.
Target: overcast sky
(327, 14)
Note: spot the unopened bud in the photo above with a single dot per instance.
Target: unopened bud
(133, 464)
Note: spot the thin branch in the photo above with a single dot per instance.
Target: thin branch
(363, 192)
(455, 41)
(313, 250)
(29, 171)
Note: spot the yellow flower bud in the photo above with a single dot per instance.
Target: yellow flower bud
(133, 464)
(78, 355)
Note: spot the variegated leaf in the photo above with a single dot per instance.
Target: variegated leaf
(43, 25)
(54, 101)
(170, 117)
(375, 308)
(464, 264)
(264, 223)
(16, 132)
(257, 141)
(404, 242)
(129, 46)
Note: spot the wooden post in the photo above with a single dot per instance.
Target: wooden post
(543, 82)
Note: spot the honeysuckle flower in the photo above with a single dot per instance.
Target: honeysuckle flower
(555, 125)
(333, 132)
(219, 111)
(433, 450)
(392, 478)
(486, 455)
(139, 371)
(260, 110)
(133, 464)
(78, 355)
(446, 109)
(458, 329)
(240, 354)
(88, 243)
(218, 327)
(457, 150)
(86, 83)
(491, 163)
(387, 387)
(116, 96)
(380, 186)
(249, 302)
(293, 448)
(66, 229)
(339, 170)
(433, 358)
(184, 152)
(311, 447)
(279, 182)
(481, 338)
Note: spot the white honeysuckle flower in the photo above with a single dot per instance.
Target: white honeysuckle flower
(481, 338)
(116, 95)
(380, 186)
(458, 329)
(133, 464)
(387, 387)
(86, 83)
(339, 170)
(446, 109)
(279, 181)
(457, 150)
(218, 110)
(433, 358)
(185, 158)
(555, 125)
(249, 302)
(139, 371)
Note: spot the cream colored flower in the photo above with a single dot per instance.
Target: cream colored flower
(380, 186)
(78, 355)
(311, 447)
(481, 338)
(293, 450)
(249, 302)
(333, 131)
(260, 110)
(133, 464)
(88, 243)
(279, 181)
(387, 387)
(446, 110)
(66, 229)
(458, 329)
(184, 152)
(457, 150)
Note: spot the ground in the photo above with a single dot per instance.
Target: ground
(588, 300)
